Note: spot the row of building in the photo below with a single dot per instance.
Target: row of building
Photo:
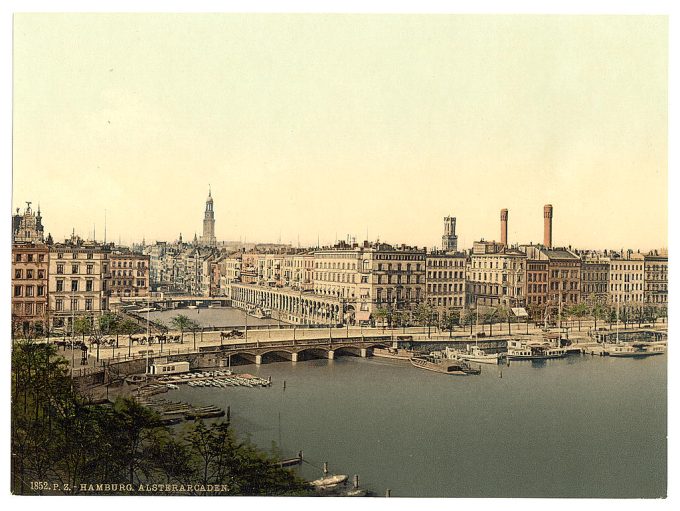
(350, 281)
(52, 283)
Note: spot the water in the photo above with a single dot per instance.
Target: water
(577, 427)
(217, 317)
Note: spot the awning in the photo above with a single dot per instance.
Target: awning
(362, 315)
(520, 312)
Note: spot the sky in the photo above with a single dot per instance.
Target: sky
(318, 126)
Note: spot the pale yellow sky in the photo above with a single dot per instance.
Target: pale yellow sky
(336, 124)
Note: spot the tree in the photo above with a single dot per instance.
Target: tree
(381, 315)
(182, 323)
(423, 316)
(451, 319)
(82, 326)
(58, 436)
(504, 313)
(579, 310)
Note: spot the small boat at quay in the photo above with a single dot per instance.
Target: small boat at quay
(442, 365)
(634, 349)
(393, 353)
(328, 482)
(472, 354)
(521, 350)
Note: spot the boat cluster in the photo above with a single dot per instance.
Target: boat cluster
(230, 381)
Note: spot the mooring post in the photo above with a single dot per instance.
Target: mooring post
(356, 481)
(325, 468)
(388, 493)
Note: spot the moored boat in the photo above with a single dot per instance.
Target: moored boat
(472, 354)
(328, 481)
(634, 350)
(442, 365)
(521, 350)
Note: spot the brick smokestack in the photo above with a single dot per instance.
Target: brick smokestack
(504, 227)
(547, 225)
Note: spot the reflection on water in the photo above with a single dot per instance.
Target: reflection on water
(575, 427)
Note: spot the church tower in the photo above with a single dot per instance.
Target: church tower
(208, 238)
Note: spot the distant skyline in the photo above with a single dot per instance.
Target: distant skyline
(328, 125)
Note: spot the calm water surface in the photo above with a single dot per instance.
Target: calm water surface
(577, 427)
(217, 317)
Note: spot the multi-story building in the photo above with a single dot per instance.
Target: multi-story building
(79, 280)
(30, 273)
(445, 280)
(537, 286)
(564, 275)
(656, 279)
(595, 279)
(369, 276)
(229, 270)
(495, 275)
(626, 278)
(129, 274)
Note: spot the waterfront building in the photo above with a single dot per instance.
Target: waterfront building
(252, 268)
(595, 278)
(495, 275)
(450, 239)
(626, 277)
(371, 276)
(537, 287)
(129, 274)
(208, 238)
(79, 280)
(445, 281)
(30, 274)
(27, 227)
(564, 276)
(656, 278)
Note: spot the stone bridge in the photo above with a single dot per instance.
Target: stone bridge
(262, 352)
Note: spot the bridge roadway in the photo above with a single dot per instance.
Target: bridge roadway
(294, 350)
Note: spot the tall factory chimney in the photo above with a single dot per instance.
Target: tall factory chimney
(547, 225)
(504, 227)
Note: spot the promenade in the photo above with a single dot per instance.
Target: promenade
(194, 341)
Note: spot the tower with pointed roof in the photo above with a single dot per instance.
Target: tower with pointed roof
(208, 237)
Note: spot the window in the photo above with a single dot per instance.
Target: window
(89, 255)
(74, 255)
(74, 285)
(29, 290)
(59, 304)
(60, 269)
(41, 274)
(74, 304)
(17, 290)
(88, 285)
(41, 258)
(18, 274)
(18, 258)
(74, 268)
(29, 309)
(60, 285)
(41, 290)
(29, 274)
(90, 267)
(88, 304)
(30, 258)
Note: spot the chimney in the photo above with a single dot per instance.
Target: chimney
(547, 225)
(504, 227)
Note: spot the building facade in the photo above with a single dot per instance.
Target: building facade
(445, 281)
(129, 274)
(495, 275)
(79, 280)
(30, 274)
(656, 279)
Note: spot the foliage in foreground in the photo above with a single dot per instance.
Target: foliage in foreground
(62, 445)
